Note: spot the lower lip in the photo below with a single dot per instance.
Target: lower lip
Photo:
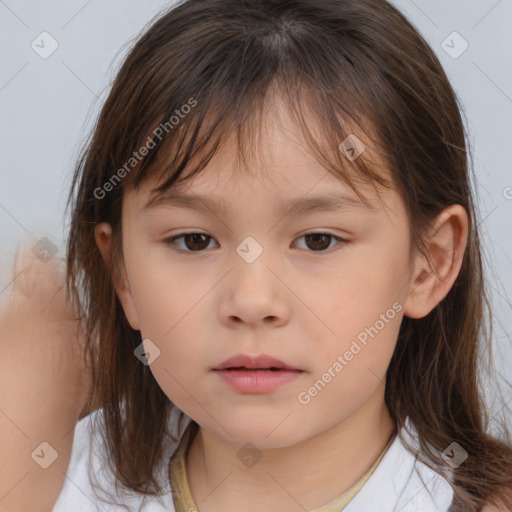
(258, 381)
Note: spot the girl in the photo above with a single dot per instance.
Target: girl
(274, 250)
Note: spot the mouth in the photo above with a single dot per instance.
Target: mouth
(243, 368)
(261, 363)
(255, 375)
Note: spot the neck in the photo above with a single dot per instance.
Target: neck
(303, 476)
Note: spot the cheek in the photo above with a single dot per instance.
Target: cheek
(368, 292)
(175, 328)
(349, 370)
(361, 312)
(168, 312)
(174, 322)
(163, 294)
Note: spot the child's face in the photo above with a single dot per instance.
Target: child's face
(305, 301)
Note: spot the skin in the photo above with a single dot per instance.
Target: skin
(56, 381)
(297, 304)
(45, 374)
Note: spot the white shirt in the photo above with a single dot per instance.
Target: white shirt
(400, 483)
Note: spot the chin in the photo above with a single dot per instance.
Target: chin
(262, 434)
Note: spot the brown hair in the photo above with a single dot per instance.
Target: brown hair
(356, 60)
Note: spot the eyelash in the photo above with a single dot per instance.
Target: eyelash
(170, 241)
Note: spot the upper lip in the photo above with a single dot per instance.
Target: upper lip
(261, 362)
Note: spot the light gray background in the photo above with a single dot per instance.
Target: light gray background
(48, 105)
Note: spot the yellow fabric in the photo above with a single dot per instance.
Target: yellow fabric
(182, 498)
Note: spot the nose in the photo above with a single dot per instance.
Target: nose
(254, 294)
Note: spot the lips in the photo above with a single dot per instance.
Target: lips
(247, 362)
(256, 375)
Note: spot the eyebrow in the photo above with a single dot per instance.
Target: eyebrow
(301, 205)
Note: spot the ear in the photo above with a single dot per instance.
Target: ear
(435, 273)
(103, 236)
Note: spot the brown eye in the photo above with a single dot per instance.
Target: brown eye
(194, 242)
(198, 242)
(319, 242)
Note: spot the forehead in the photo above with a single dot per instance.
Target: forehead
(274, 158)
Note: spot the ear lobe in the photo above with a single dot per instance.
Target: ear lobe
(435, 273)
(103, 236)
